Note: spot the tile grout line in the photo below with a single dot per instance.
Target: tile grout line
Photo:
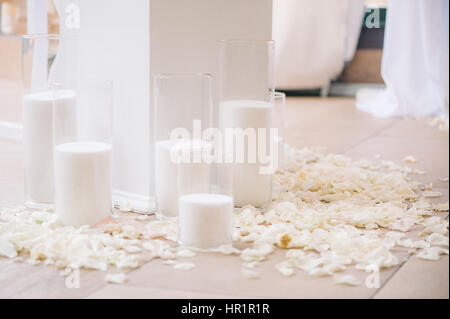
(393, 274)
(371, 136)
(127, 272)
(389, 278)
(394, 122)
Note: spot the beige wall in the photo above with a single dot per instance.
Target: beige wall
(14, 17)
(10, 79)
(14, 21)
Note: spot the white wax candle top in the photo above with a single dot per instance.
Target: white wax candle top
(83, 182)
(205, 220)
(50, 95)
(247, 104)
(84, 147)
(207, 199)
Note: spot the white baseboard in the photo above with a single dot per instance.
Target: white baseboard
(139, 203)
(11, 131)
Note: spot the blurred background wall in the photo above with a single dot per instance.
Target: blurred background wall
(328, 47)
(323, 46)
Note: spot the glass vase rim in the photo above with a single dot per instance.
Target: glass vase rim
(187, 75)
(252, 41)
(106, 82)
(52, 36)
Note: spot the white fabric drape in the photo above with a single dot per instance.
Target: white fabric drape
(313, 40)
(415, 61)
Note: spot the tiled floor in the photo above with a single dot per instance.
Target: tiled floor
(330, 122)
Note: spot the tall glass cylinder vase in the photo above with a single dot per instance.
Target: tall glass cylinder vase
(183, 109)
(83, 153)
(278, 124)
(45, 59)
(246, 112)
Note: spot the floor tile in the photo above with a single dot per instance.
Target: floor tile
(418, 279)
(112, 291)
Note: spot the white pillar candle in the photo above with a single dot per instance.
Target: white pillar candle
(83, 182)
(205, 220)
(38, 140)
(250, 187)
(166, 173)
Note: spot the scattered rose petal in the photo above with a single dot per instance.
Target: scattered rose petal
(410, 159)
(7, 249)
(346, 280)
(285, 268)
(432, 253)
(436, 239)
(118, 278)
(125, 206)
(250, 265)
(429, 194)
(250, 274)
(183, 266)
(441, 207)
(185, 253)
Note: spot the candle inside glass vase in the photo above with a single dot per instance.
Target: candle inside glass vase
(82, 169)
(181, 102)
(205, 213)
(168, 154)
(46, 59)
(278, 123)
(246, 105)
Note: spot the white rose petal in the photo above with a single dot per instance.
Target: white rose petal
(250, 274)
(437, 239)
(346, 280)
(403, 225)
(432, 253)
(441, 207)
(7, 249)
(183, 266)
(118, 278)
(185, 253)
(285, 269)
(125, 206)
(250, 265)
(429, 194)
(410, 159)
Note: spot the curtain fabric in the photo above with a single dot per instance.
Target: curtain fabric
(415, 61)
(313, 40)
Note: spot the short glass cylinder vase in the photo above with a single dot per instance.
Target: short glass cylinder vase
(205, 205)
